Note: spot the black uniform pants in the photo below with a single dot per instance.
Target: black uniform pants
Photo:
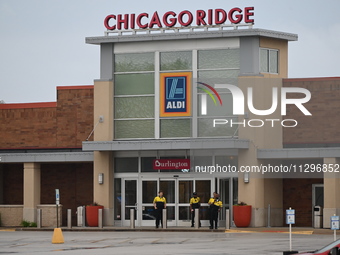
(159, 216)
(213, 218)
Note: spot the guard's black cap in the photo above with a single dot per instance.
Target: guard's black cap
(195, 193)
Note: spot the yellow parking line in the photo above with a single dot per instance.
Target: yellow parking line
(282, 232)
(8, 229)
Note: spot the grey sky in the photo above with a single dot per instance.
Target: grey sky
(42, 42)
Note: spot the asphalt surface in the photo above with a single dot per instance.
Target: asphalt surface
(152, 242)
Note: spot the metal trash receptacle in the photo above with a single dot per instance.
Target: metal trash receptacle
(318, 216)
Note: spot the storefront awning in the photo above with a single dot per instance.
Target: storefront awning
(46, 157)
(166, 144)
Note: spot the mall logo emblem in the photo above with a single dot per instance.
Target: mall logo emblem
(175, 94)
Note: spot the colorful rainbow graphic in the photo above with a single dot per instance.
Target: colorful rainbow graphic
(209, 93)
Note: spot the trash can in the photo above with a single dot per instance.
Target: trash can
(318, 216)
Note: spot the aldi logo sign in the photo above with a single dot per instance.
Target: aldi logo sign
(175, 94)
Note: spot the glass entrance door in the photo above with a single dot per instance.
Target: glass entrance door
(177, 193)
(129, 200)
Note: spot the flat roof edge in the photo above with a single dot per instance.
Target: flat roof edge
(192, 35)
(298, 153)
(46, 157)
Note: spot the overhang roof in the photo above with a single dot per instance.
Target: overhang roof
(192, 35)
(165, 144)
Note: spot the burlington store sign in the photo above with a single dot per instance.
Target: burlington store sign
(184, 18)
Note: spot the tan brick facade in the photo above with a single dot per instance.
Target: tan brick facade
(323, 126)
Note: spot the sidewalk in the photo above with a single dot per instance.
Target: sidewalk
(295, 230)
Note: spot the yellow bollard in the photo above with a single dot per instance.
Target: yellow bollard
(58, 237)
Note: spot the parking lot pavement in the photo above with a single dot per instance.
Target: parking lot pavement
(37, 242)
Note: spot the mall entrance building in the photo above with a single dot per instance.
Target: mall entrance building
(137, 120)
(166, 96)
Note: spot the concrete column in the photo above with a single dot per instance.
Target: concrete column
(331, 191)
(32, 187)
(103, 161)
(103, 193)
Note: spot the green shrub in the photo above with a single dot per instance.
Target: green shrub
(33, 225)
(25, 223)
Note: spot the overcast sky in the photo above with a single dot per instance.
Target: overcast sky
(42, 42)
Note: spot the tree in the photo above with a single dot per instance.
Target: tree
(2, 102)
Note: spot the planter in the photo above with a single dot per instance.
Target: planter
(92, 215)
(242, 215)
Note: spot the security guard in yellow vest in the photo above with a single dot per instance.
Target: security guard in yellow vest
(195, 203)
(159, 203)
(215, 207)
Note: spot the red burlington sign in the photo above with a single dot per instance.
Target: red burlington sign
(184, 18)
(171, 164)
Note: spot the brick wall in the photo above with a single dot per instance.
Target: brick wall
(297, 193)
(65, 125)
(75, 183)
(74, 116)
(28, 127)
(323, 126)
(13, 184)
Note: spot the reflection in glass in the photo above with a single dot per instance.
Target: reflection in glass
(130, 192)
(148, 213)
(134, 107)
(134, 129)
(147, 164)
(149, 191)
(203, 190)
(176, 60)
(170, 212)
(273, 60)
(184, 213)
(134, 84)
(175, 128)
(185, 191)
(221, 58)
(129, 62)
(264, 60)
(206, 127)
(168, 188)
(126, 165)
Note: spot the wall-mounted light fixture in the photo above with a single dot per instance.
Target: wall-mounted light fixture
(246, 178)
(101, 178)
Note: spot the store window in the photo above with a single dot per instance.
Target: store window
(269, 61)
(126, 165)
(222, 58)
(134, 84)
(134, 92)
(175, 128)
(176, 60)
(216, 67)
(134, 62)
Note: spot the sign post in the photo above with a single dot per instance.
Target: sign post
(290, 219)
(58, 237)
(57, 201)
(335, 224)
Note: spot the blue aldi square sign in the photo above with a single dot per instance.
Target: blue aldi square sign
(175, 94)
